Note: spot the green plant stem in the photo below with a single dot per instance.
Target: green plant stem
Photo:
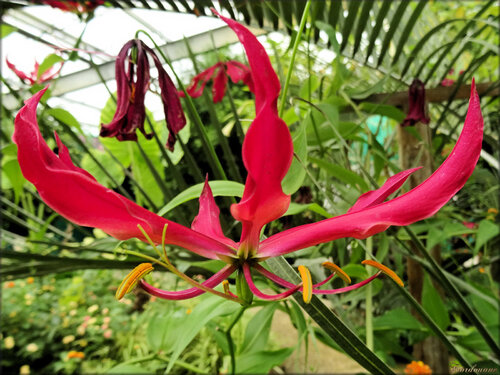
(369, 302)
(298, 37)
(182, 364)
(237, 123)
(230, 342)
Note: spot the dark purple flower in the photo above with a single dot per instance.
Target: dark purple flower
(416, 104)
(132, 79)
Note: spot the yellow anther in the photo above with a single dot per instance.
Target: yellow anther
(385, 270)
(305, 275)
(225, 285)
(339, 271)
(132, 278)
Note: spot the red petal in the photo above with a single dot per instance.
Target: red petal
(79, 198)
(419, 203)
(201, 79)
(267, 149)
(373, 197)
(207, 222)
(220, 83)
(19, 73)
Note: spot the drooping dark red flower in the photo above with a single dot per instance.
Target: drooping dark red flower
(132, 79)
(218, 73)
(416, 104)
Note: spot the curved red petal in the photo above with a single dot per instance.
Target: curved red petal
(207, 221)
(373, 197)
(419, 203)
(267, 148)
(75, 195)
(219, 87)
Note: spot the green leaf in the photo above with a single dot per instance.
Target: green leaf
(65, 117)
(48, 63)
(112, 168)
(261, 362)
(433, 304)
(397, 319)
(6, 30)
(296, 208)
(258, 328)
(344, 175)
(12, 177)
(209, 308)
(486, 231)
(219, 188)
(125, 368)
(296, 174)
(355, 270)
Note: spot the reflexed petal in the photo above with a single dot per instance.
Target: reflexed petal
(419, 203)
(174, 115)
(267, 149)
(373, 197)
(75, 195)
(207, 222)
(199, 81)
(19, 73)
(219, 87)
(239, 72)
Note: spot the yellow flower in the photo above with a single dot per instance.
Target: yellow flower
(105, 311)
(24, 370)
(419, 368)
(493, 211)
(481, 269)
(10, 284)
(83, 343)
(9, 342)
(189, 311)
(32, 347)
(68, 339)
(93, 308)
(30, 280)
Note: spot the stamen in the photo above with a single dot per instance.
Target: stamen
(385, 270)
(305, 275)
(132, 278)
(333, 267)
(225, 285)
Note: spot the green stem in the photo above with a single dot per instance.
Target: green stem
(183, 364)
(294, 53)
(369, 302)
(230, 342)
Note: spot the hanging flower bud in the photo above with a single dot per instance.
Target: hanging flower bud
(416, 104)
(132, 79)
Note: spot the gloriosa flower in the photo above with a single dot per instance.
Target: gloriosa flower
(267, 155)
(32, 78)
(416, 104)
(218, 73)
(132, 80)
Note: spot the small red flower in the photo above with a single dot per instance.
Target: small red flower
(132, 79)
(32, 78)
(416, 104)
(218, 73)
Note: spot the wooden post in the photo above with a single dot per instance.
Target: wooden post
(414, 152)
